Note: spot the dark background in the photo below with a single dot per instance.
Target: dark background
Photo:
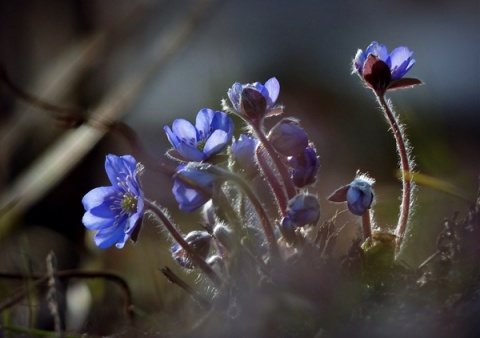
(307, 45)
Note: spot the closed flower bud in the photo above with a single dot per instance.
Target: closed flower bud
(358, 195)
(304, 167)
(288, 138)
(303, 209)
(199, 241)
(243, 151)
(192, 188)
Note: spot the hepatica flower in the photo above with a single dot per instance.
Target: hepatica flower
(358, 195)
(253, 101)
(304, 167)
(243, 151)
(383, 71)
(115, 211)
(303, 209)
(192, 187)
(212, 132)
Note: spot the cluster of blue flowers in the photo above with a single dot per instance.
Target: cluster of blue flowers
(222, 173)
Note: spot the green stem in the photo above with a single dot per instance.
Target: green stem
(196, 258)
(406, 167)
(366, 225)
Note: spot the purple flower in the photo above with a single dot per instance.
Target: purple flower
(303, 209)
(212, 132)
(253, 101)
(399, 61)
(382, 70)
(115, 211)
(288, 138)
(192, 187)
(358, 195)
(243, 151)
(304, 167)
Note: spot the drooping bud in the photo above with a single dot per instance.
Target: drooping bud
(304, 167)
(288, 138)
(303, 209)
(192, 187)
(358, 195)
(243, 151)
(199, 241)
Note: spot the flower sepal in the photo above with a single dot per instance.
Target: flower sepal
(407, 82)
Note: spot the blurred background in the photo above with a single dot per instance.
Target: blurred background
(149, 62)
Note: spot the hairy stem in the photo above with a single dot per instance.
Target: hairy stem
(262, 214)
(194, 256)
(272, 181)
(282, 170)
(366, 225)
(406, 167)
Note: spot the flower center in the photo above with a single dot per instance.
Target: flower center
(201, 145)
(129, 204)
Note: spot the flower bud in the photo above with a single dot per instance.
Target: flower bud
(303, 209)
(192, 187)
(358, 195)
(304, 167)
(288, 138)
(199, 241)
(243, 151)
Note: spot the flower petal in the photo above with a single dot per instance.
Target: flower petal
(216, 143)
(119, 167)
(185, 132)
(96, 197)
(377, 49)
(400, 62)
(93, 222)
(105, 238)
(222, 121)
(191, 153)
(203, 123)
(273, 88)
(359, 60)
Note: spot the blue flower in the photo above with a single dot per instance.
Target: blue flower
(303, 209)
(304, 167)
(269, 91)
(115, 211)
(253, 101)
(288, 138)
(192, 188)
(243, 151)
(358, 195)
(399, 61)
(212, 132)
